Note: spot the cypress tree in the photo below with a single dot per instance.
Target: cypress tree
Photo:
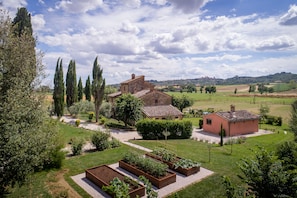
(22, 26)
(71, 84)
(88, 90)
(80, 90)
(59, 87)
(22, 22)
(98, 86)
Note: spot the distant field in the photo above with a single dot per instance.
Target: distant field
(280, 105)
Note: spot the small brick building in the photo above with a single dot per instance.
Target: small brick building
(233, 122)
(157, 104)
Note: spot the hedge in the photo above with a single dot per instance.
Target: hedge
(154, 129)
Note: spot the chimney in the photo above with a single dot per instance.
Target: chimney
(133, 76)
(232, 108)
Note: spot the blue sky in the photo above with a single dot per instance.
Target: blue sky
(165, 39)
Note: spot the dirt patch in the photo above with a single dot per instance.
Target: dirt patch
(58, 187)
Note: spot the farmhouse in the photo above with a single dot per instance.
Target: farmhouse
(233, 122)
(157, 104)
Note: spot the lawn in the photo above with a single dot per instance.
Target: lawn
(222, 162)
(68, 132)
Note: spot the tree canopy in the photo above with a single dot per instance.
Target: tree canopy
(181, 102)
(128, 109)
(28, 140)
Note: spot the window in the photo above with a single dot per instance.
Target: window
(208, 121)
(156, 101)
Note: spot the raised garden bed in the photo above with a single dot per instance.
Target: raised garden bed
(103, 175)
(184, 171)
(169, 178)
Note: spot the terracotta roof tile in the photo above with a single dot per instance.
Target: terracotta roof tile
(141, 93)
(161, 111)
(238, 115)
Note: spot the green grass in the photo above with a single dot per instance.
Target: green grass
(67, 132)
(222, 162)
(221, 101)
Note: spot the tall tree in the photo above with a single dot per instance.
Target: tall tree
(22, 22)
(128, 109)
(88, 90)
(22, 25)
(98, 86)
(26, 136)
(71, 84)
(80, 90)
(293, 121)
(59, 87)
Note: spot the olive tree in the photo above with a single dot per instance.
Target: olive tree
(28, 138)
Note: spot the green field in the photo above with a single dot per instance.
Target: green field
(221, 101)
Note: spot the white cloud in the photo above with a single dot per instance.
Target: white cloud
(128, 27)
(79, 6)
(38, 22)
(189, 5)
(279, 43)
(290, 18)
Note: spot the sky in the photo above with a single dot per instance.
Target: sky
(164, 39)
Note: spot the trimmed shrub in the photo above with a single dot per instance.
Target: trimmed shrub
(77, 122)
(100, 140)
(153, 129)
(91, 116)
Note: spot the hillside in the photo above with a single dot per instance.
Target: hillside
(278, 77)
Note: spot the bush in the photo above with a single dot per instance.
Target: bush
(81, 107)
(54, 160)
(105, 109)
(77, 122)
(91, 116)
(153, 129)
(114, 143)
(100, 140)
(76, 147)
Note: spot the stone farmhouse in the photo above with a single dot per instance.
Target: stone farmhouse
(233, 122)
(157, 104)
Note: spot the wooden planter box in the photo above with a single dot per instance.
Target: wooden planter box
(169, 178)
(102, 175)
(184, 171)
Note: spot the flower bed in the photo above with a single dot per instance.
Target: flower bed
(159, 182)
(184, 166)
(103, 175)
